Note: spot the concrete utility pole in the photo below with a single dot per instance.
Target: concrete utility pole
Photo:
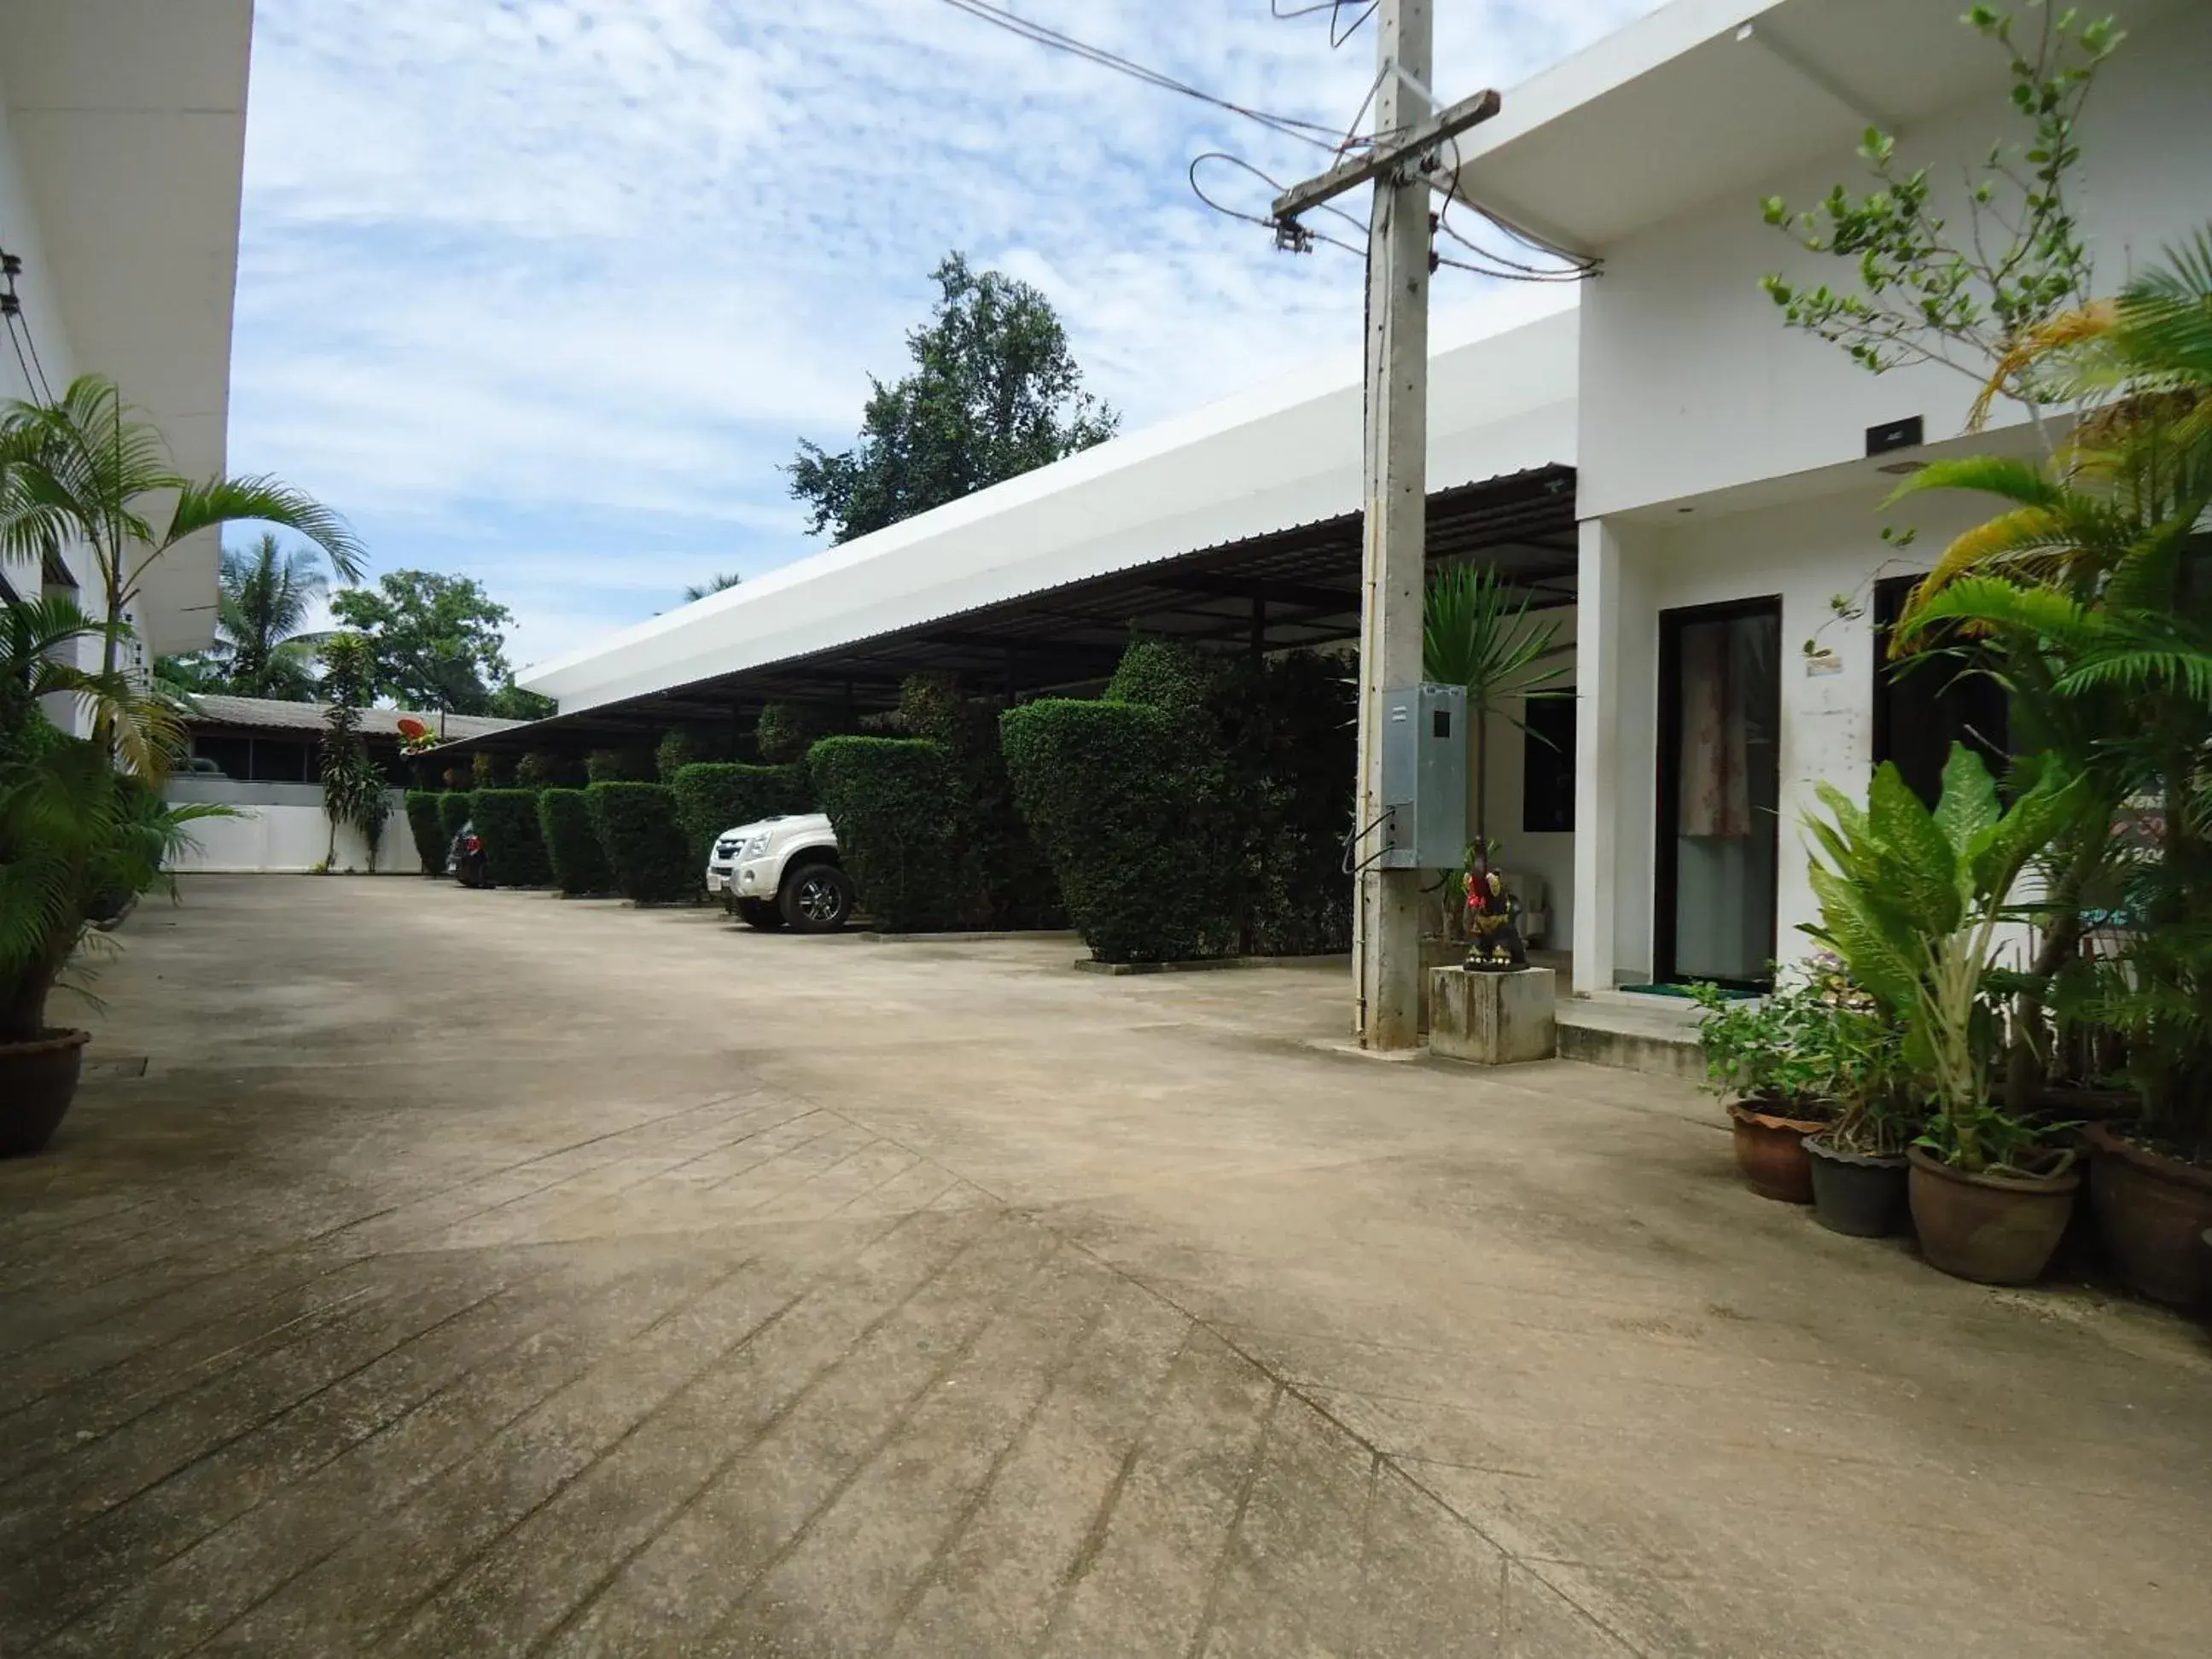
(1386, 925)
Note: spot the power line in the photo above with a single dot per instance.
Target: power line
(1335, 8)
(1291, 127)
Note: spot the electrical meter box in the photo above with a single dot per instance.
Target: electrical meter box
(1425, 758)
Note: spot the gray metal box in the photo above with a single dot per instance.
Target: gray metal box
(1425, 744)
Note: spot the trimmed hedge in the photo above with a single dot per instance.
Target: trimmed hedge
(1105, 788)
(453, 813)
(712, 796)
(506, 822)
(430, 838)
(890, 801)
(644, 848)
(619, 766)
(1002, 878)
(572, 843)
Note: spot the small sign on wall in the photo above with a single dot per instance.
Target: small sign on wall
(1822, 662)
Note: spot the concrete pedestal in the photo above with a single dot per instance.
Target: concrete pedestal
(1492, 1019)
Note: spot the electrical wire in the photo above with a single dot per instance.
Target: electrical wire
(1291, 127)
(11, 306)
(1335, 8)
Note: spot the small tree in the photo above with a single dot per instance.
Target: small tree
(352, 785)
(1932, 288)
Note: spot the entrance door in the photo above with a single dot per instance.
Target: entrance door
(1720, 786)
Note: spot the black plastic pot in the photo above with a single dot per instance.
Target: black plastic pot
(38, 1080)
(1857, 1193)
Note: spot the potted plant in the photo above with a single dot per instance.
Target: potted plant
(1765, 1059)
(1912, 901)
(1857, 1161)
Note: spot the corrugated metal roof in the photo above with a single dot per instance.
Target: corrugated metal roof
(274, 714)
(1283, 456)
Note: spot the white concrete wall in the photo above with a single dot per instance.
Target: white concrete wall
(1689, 381)
(282, 826)
(1549, 854)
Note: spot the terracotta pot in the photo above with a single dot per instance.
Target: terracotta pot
(2152, 1211)
(1997, 1230)
(1856, 1192)
(1771, 1152)
(38, 1080)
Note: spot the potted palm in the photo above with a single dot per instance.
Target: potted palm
(1912, 901)
(79, 840)
(1768, 1058)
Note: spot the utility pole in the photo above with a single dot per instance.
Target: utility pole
(1386, 921)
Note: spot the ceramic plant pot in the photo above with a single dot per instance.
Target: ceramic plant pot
(2152, 1214)
(1857, 1192)
(1771, 1152)
(38, 1080)
(1994, 1229)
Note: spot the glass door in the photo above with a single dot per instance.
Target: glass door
(1720, 786)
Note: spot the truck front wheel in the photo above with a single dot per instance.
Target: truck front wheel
(758, 913)
(817, 898)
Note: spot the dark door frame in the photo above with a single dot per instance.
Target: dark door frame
(1667, 815)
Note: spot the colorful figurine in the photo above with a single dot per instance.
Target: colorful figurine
(1493, 935)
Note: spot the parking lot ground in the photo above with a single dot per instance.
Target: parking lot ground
(479, 1273)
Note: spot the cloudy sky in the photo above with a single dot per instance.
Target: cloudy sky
(546, 291)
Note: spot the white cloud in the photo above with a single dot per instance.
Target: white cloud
(546, 291)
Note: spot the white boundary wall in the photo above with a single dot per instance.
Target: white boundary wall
(281, 826)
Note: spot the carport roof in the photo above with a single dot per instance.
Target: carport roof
(1237, 522)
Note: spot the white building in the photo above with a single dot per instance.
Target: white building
(122, 147)
(1723, 490)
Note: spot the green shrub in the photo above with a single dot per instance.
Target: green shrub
(619, 766)
(685, 745)
(490, 771)
(888, 799)
(1001, 876)
(572, 843)
(542, 769)
(712, 796)
(453, 813)
(786, 733)
(1104, 787)
(430, 837)
(644, 848)
(506, 822)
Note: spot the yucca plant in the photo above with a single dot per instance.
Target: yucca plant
(1912, 901)
(1476, 634)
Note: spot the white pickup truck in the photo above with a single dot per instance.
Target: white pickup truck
(782, 872)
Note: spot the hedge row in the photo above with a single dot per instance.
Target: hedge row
(453, 813)
(646, 851)
(430, 839)
(1001, 876)
(1104, 787)
(506, 821)
(714, 796)
(888, 799)
(572, 843)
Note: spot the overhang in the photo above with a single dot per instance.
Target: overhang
(1703, 99)
(129, 121)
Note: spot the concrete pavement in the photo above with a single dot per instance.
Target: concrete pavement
(482, 1273)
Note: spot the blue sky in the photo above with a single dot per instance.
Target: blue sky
(545, 291)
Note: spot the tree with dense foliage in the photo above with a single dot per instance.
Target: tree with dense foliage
(436, 640)
(353, 784)
(994, 392)
(89, 468)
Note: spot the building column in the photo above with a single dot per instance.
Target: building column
(1597, 754)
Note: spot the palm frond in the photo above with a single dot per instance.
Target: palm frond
(261, 498)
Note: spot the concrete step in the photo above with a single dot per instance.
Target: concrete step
(1633, 1033)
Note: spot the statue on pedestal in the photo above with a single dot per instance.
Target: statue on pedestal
(1493, 933)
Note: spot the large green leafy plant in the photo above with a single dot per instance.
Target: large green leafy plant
(1475, 633)
(1914, 901)
(75, 834)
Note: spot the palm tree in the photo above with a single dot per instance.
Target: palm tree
(266, 595)
(38, 641)
(90, 467)
(720, 582)
(1474, 634)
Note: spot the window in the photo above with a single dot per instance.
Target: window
(1547, 763)
(1928, 701)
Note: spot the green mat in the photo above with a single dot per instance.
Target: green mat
(1683, 992)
